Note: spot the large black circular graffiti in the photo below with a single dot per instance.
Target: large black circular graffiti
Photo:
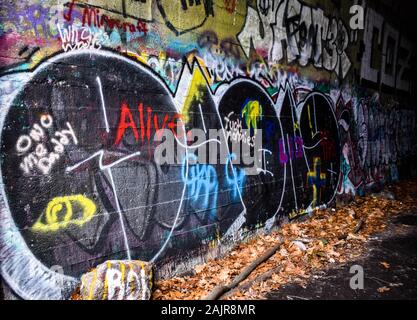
(320, 134)
(253, 129)
(77, 162)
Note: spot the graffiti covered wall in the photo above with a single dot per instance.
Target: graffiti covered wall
(159, 130)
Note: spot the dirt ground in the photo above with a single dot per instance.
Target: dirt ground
(389, 264)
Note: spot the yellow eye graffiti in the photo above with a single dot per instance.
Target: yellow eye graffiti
(62, 212)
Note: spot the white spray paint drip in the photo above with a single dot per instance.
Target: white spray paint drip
(202, 119)
(103, 105)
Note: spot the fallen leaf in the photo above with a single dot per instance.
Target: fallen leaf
(199, 268)
(283, 252)
(300, 245)
(383, 289)
(224, 275)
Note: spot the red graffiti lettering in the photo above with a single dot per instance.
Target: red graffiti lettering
(142, 27)
(68, 15)
(146, 126)
(123, 124)
(92, 17)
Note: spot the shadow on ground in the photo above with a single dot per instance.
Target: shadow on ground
(397, 246)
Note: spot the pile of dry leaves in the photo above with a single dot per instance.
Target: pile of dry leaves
(330, 236)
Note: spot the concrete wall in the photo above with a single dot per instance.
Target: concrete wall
(319, 110)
